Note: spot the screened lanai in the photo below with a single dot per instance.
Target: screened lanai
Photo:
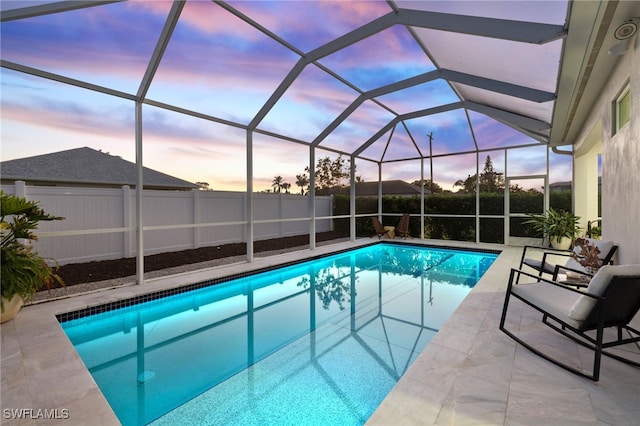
(236, 93)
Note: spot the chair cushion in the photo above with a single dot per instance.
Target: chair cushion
(574, 264)
(552, 299)
(604, 246)
(598, 284)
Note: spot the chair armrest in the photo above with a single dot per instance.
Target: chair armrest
(546, 250)
(517, 272)
(548, 253)
(550, 249)
(566, 268)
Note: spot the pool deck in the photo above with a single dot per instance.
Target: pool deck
(470, 373)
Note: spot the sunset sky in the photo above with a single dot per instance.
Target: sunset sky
(221, 66)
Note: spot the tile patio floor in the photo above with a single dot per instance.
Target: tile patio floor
(469, 374)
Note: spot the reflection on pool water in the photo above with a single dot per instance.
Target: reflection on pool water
(320, 342)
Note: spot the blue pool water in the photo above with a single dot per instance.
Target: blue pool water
(320, 342)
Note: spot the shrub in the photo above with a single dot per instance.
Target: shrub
(23, 271)
(462, 229)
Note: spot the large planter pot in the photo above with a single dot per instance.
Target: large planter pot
(563, 243)
(11, 308)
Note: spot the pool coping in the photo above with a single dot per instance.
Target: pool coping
(147, 297)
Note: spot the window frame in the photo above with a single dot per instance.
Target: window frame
(623, 98)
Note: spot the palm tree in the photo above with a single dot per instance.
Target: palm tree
(277, 183)
(286, 186)
(302, 181)
(468, 185)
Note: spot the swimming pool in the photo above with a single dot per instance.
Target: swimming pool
(318, 342)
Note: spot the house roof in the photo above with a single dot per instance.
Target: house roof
(86, 166)
(389, 187)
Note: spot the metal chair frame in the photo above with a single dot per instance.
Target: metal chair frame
(617, 306)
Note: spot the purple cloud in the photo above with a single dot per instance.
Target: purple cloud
(108, 45)
(383, 58)
(308, 25)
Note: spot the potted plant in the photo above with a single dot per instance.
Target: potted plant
(559, 227)
(23, 271)
(587, 255)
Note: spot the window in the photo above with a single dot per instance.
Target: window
(622, 108)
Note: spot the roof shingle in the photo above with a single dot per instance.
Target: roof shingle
(86, 166)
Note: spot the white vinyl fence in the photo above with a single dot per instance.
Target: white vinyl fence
(100, 222)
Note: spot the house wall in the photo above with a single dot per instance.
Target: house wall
(585, 179)
(620, 159)
(100, 223)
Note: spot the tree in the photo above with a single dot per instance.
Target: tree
(302, 181)
(277, 183)
(513, 188)
(341, 170)
(329, 173)
(490, 180)
(203, 186)
(285, 186)
(433, 187)
(468, 185)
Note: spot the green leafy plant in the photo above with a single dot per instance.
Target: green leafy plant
(556, 224)
(596, 232)
(24, 271)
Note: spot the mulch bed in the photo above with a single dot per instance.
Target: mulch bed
(78, 273)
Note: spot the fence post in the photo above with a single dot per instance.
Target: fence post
(20, 189)
(196, 217)
(280, 210)
(330, 213)
(126, 221)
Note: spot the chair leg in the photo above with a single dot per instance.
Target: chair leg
(594, 344)
(597, 347)
(524, 252)
(505, 306)
(598, 354)
(596, 364)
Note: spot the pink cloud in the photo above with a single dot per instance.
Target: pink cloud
(309, 24)
(391, 48)
(67, 116)
(209, 18)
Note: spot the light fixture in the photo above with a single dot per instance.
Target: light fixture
(624, 33)
(627, 29)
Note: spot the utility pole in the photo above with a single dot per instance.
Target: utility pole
(431, 159)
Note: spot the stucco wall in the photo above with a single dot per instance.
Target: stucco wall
(620, 160)
(585, 179)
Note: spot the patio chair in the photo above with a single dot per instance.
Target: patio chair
(544, 266)
(386, 231)
(403, 226)
(612, 299)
